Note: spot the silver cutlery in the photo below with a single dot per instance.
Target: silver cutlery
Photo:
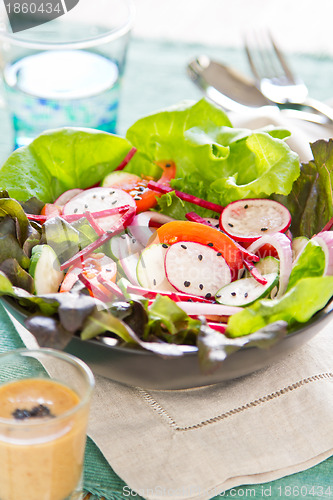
(234, 91)
(274, 77)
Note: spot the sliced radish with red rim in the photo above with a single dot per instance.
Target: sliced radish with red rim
(196, 269)
(249, 219)
(98, 199)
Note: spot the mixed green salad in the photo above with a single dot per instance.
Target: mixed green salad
(187, 234)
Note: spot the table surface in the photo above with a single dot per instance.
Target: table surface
(155, 77)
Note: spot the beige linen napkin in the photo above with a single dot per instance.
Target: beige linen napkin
(196, 443)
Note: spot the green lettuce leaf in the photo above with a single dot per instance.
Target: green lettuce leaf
(298, 305)
(311, 263)
(59, 160)
(215, 161)
(311, 200)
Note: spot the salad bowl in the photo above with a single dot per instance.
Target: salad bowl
(140, 368)
(151, 328)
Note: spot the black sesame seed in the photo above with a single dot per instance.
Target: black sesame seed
(187, 283)
(219, 254)
(86, 206)
(102, 197)
(36, 411)
(164, 245)
(168, 165)
(246, 206)
(217, 226)
(210, 244)
(141, 188)
(94, 196)
(114, 202)
(218, 296)
(75, 210)
(208, 295)
(154, 282)
(230, 225)
(201, 286)
(189, 300)
(200, 257)
(246, 294)
(133, 240)
(233, 294)
(264, 229)
(122, 236)
(111, 192)
(108, 270)
(184, 246)
(137, 198)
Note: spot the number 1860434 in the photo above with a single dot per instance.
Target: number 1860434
(34, 8)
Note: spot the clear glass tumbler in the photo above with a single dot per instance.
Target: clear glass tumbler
(44, 406)
(65, 71)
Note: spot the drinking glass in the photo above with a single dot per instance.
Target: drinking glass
(66, 71)
(44, 405)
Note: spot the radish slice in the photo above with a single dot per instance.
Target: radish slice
(197, 269)
(198, 309)
(249, 219)
(98, 199)
(282, 244)
(140, 225)
(66, 197)
(150, 269)
(325, 240)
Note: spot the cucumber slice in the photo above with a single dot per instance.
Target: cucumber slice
(267, 265)
(150, 270)
(246, 290)
(120, 178)
(45, 269)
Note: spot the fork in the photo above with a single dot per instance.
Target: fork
(274, 77)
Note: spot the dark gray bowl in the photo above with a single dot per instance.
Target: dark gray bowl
(144, 369)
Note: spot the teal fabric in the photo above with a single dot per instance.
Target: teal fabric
(155, 77)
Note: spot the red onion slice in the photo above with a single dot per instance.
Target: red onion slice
(325, 240)
(140, 225)
(282, 244)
